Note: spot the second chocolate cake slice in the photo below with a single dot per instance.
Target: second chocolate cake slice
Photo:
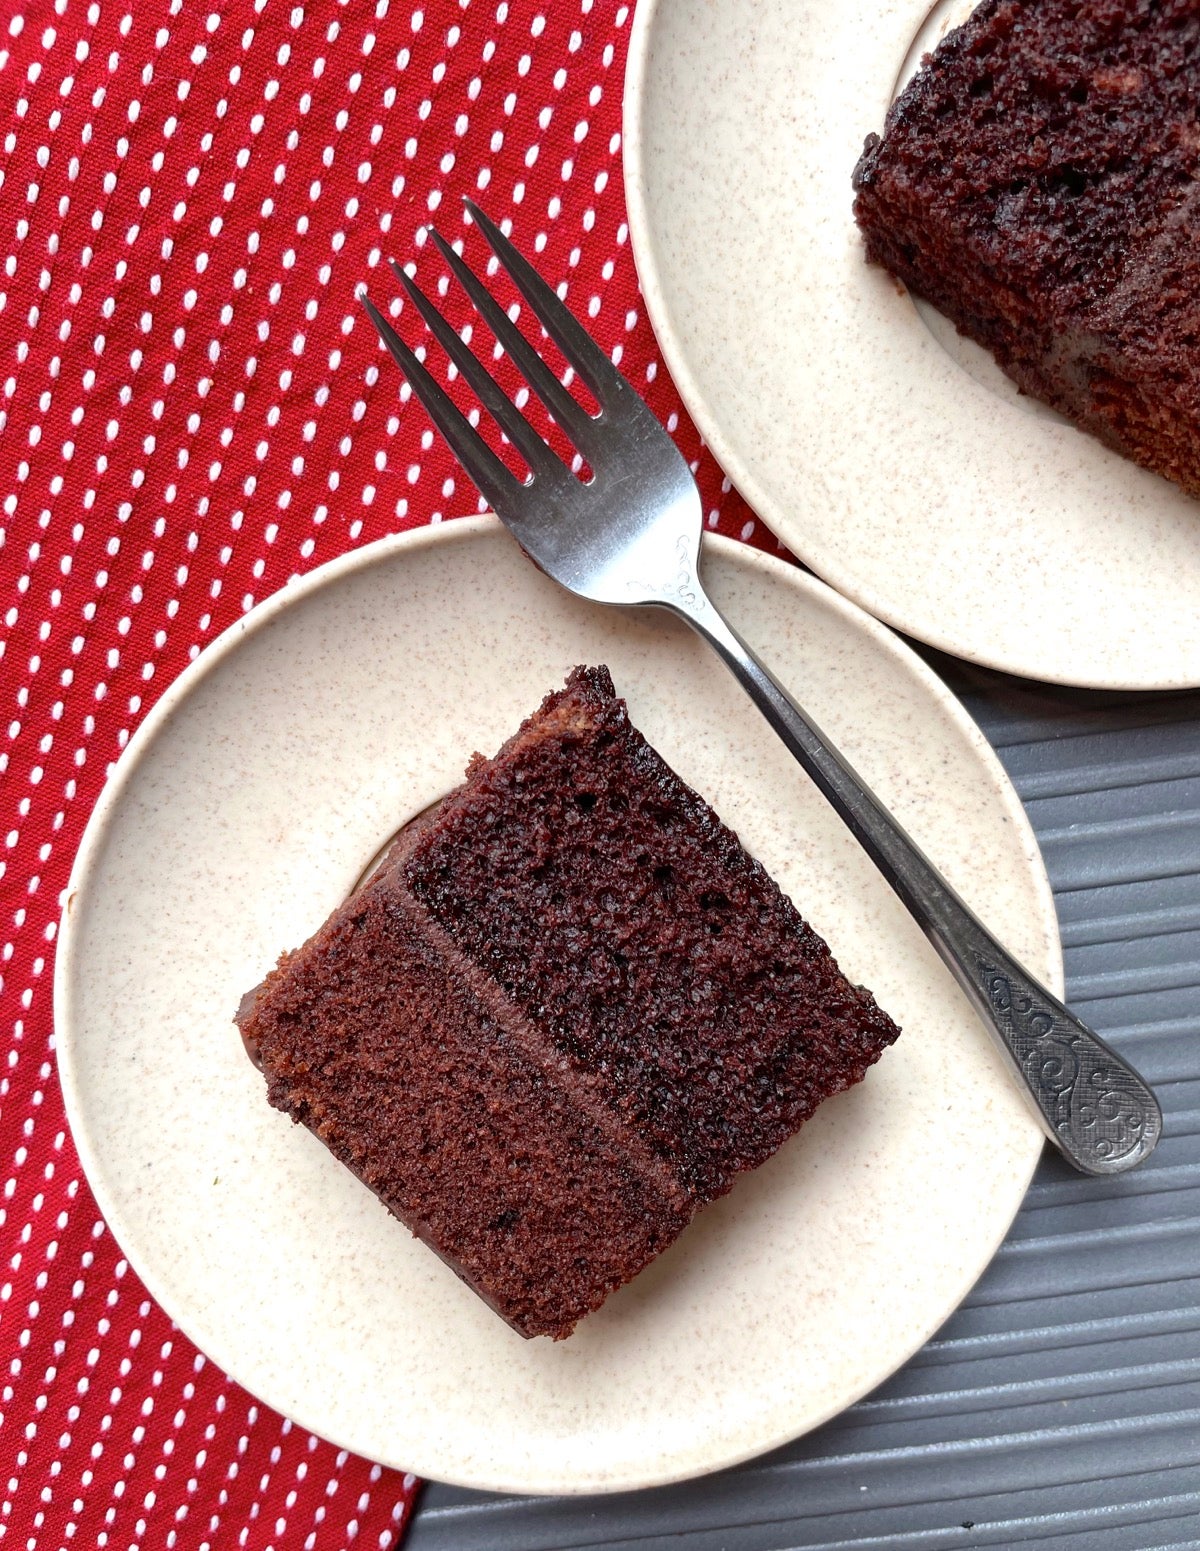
(1036, 181)
(566, 1011)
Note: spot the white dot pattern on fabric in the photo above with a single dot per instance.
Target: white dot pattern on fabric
(195, 410)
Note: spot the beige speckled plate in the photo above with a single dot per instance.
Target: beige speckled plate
(246, 808)
(893, 458)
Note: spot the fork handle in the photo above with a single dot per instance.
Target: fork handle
(1091, 1103)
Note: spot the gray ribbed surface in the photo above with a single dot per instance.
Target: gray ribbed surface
(1060, 1407)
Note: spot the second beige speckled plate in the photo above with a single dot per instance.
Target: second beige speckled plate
(892, 457)
(247, 806)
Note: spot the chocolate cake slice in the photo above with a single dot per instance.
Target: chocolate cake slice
(1036, 181)
(566, 1011)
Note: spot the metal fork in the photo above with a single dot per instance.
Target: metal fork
(631, 535)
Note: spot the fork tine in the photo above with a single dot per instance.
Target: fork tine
(503, 411)
(569, 414)
(580, 349)
(496, 484)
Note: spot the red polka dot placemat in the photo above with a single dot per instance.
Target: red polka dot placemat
(193, 408)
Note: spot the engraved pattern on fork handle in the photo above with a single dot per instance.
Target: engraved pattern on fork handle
(1090, 1102)
(1081, 1088)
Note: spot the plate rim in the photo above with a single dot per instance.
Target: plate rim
(465, 530)
(737, 468)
